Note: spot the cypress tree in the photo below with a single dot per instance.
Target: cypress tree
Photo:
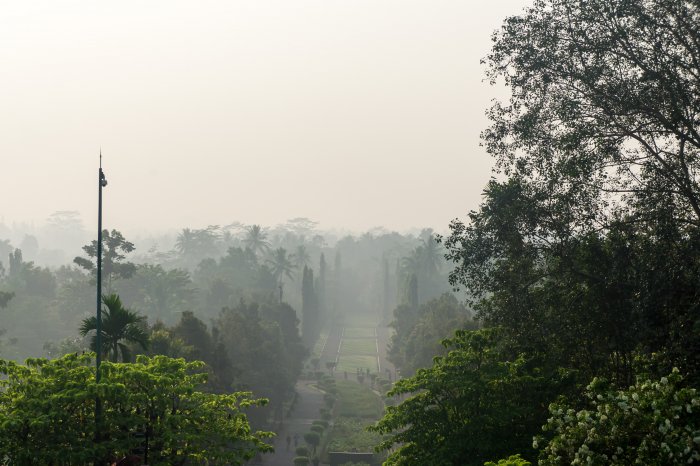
(309, 308)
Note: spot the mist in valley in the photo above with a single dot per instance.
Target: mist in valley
(201, 271)
(350, 233)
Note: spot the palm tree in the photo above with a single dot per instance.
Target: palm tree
(119, 326)
(431, 253)
(280, 264)
(256, 239)
(301, 257)
(186, 242)
(424, 259)
(411, 264)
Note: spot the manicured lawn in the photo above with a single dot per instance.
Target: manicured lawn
(360, 320)
(361, 346)
(357, 400)
(349, 434)
(358, 332)
(350, 363)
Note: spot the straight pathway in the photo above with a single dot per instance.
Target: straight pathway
(310, 399)
(306, 410)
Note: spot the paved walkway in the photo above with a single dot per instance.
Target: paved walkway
(309, 402)
(310, 399)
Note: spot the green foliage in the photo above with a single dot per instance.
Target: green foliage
(5, 298)
(195, 245)
(165, 293)
(264, 347)
(312, 438)
(325, 414)
(651, 422)
(301, 256)
(28, 279)
(601, 106)
(356, 400)
(281, 265)
(311, 324)
(162, 341)
(302, 451)
(418, 332)
(114, 250)
(47, 409)
(351, 434)
(301, 461)
(592, 224)
(119, 327)
(571, 298)
(236, 275)
(256, 239)
(318, 429)
(514, 460)
(329, 400)
(418, 273)
(474, 403)
(194, 333)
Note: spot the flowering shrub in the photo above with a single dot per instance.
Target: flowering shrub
(652, 422)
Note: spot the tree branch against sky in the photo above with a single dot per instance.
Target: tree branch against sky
(605, 109)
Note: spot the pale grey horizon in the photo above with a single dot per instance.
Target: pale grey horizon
(355, 114)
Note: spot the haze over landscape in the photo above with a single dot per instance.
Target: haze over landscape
(355, 114)
(350, 233)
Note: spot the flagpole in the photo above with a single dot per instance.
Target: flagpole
(98, 341)
(102, 182)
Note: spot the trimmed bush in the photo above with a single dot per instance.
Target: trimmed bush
(312, 438)
(326, 416)
(318, 429)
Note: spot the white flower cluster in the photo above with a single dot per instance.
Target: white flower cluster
(649, 423)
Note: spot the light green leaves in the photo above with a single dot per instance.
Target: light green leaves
(47, 413)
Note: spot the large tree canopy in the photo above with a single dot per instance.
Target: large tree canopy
(605, 107)
(476, 402)
(153, 407)
(585, 252)
(587, 245)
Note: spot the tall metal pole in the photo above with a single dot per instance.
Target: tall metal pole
(101, 182)
(98, 338)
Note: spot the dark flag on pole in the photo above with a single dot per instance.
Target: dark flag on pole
(102, 182)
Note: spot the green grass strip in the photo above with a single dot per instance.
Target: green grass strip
(359, 346)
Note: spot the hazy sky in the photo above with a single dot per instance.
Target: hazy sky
(353, 113)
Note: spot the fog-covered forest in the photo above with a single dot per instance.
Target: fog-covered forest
(199, 272)
(555, 323)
